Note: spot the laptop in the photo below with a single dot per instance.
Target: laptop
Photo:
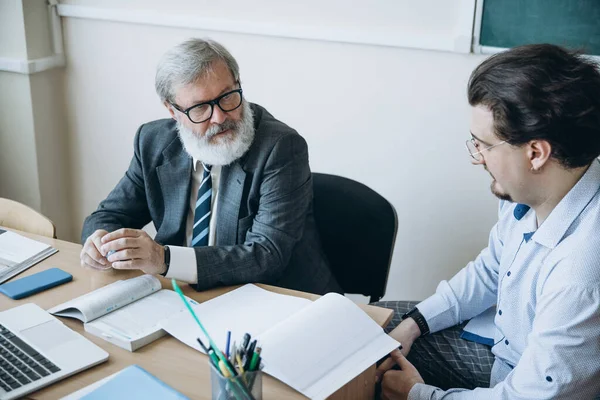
(36, 349)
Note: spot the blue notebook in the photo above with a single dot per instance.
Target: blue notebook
(134, 383)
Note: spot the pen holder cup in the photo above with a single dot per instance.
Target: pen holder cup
(242, 387)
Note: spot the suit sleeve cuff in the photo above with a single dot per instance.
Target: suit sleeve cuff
(183, 264)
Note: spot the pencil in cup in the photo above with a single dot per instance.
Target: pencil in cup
(228, 388)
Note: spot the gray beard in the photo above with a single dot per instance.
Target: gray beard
(225, 150)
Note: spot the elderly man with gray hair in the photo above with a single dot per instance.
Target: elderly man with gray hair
(227, 186)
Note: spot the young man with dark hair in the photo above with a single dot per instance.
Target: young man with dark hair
(535, 128)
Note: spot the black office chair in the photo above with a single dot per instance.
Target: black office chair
(358, 229)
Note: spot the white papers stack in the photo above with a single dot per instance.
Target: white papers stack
(315, 347)
(17, 253)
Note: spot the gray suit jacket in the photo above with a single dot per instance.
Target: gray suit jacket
(266, 230)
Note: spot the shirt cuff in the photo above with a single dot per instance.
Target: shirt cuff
(421, 391)
(183, 264)
(437, 312)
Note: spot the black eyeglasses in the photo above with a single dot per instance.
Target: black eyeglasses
(202, 112)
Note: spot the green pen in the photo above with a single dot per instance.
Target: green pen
(210, 354)
(254, 361)
(212, 344)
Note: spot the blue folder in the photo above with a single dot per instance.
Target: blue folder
(134, 383)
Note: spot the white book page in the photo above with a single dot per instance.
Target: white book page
(139, 319)
(15, 249)
(102, 301)
(322, 338)
(353, 366)
(248, 309)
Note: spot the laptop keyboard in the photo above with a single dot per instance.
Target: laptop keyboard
(20, 364)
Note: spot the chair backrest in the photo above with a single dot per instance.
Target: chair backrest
(18, 216)
(357, 227)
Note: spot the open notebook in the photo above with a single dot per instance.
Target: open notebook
(126, 313)
(314, 347)
(17, 253)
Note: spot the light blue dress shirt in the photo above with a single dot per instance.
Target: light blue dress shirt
(546, 284)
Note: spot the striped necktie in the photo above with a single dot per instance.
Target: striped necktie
(202, 211)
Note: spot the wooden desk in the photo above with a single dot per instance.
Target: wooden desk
(173, 362)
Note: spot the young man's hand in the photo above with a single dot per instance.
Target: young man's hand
(395, 384)
(406, 333)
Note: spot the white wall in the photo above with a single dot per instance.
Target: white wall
(395, 119)
(34, 166)
(18, 159)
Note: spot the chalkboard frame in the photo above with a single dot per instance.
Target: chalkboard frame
(477, 47)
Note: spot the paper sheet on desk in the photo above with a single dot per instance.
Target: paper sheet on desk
(246, 309)
(322, 347)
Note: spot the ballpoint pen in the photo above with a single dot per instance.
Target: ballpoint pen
(254, 366)
(240, 365)
(224, 370)
(211, 354)
(255, 359)
(227, 343)
(187, 305)
(232, 353)
(245, 342)
(249, 355)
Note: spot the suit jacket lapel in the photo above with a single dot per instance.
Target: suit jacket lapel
(174, 176)
(231, 189)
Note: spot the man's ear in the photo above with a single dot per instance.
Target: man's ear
(539, 153)
(171, 109)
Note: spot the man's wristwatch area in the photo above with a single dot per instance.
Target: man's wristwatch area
(416, 315)
(167, 260)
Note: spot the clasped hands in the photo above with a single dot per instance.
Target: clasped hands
(131, 249)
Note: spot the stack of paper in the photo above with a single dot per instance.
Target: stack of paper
(17, 253)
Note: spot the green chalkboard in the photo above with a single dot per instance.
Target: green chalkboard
(571, 23)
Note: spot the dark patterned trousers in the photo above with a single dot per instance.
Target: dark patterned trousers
(444, 359)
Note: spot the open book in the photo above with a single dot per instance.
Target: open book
(17, 253)
(315, 347)
(126, 313)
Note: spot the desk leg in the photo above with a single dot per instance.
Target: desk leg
(360, 388)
